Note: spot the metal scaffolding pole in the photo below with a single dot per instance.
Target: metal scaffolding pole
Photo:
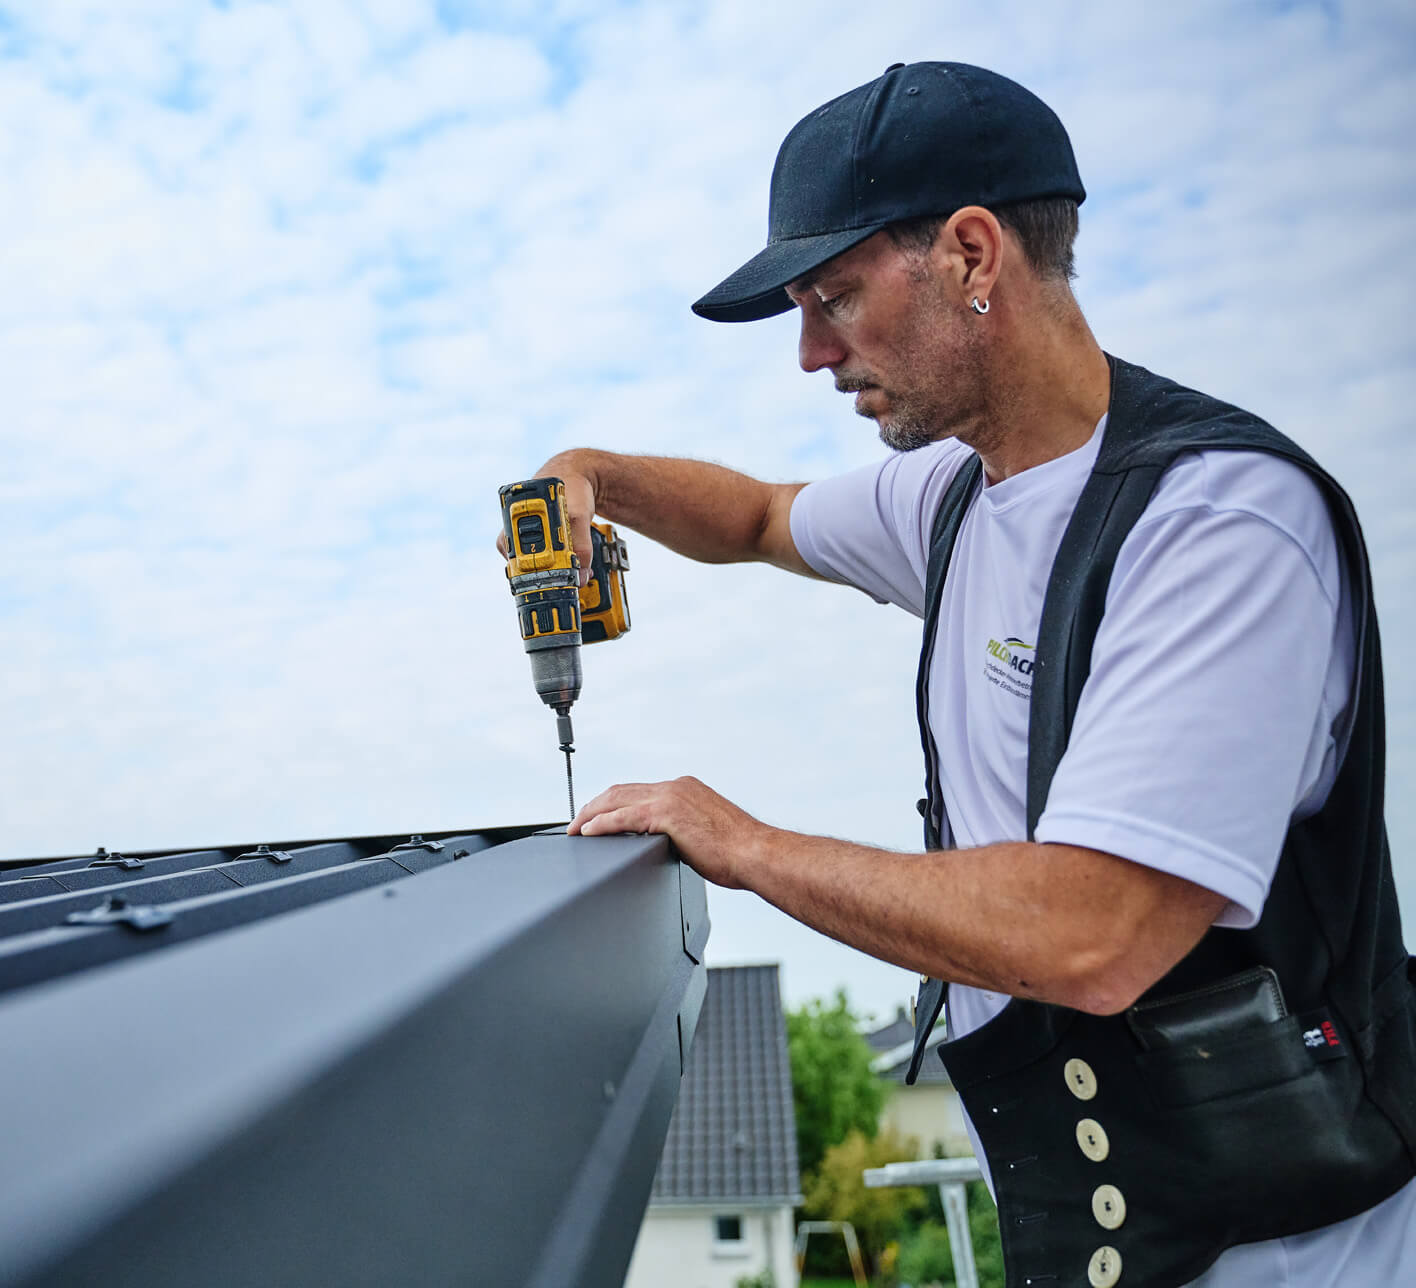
(952, 1176)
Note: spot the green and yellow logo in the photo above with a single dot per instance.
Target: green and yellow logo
(1012, 653)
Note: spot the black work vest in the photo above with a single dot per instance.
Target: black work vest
(1148, 1143)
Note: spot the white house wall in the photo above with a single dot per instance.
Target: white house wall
(676, 1248)
(932, 1114)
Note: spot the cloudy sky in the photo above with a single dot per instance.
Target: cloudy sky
(288, 290)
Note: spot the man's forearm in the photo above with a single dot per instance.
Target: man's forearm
(1057, 923)
(698, 509)
(1060, 923)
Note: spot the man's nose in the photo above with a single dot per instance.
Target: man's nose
(819, 346)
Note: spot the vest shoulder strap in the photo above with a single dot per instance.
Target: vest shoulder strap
(945, 533)
(1150, 422)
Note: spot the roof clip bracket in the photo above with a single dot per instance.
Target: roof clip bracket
(265, 852)
(102, 859)
(416, 842)
(117, 911)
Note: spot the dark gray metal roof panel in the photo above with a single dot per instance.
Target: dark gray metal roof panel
(733, 1134)
(33, 888)
(437, 1081)
(92, 873)
(51, 909)
(366, 844)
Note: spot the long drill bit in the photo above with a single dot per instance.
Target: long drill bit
(567, 745)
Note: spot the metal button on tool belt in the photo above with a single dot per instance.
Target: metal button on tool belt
(1081, 1080)
(1109, 1207)
(1091, 1139)
(1104, 1269)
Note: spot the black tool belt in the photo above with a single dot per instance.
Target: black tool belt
(1134, 1149)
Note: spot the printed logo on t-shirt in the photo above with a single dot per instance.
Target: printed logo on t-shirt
(1009, 665)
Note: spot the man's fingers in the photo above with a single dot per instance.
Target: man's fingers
(580, 509)
(623, 808)
(601, 804)
(615, 821)
(580, 539)
(501, 544)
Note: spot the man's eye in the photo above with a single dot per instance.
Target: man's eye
(830, 303)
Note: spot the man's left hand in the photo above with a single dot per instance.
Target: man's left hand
(712, 835)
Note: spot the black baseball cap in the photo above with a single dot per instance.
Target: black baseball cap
(923, 139)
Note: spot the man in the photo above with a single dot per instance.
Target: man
(1155, 880)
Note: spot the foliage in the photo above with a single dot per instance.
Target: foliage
(983, 1226)
(837, 1192)
(926, 1258)
(833, 1088)
(765, 1280)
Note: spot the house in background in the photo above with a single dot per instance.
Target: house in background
(930, 1110)
(721, 1207)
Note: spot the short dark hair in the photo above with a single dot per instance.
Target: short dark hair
(1046, 229)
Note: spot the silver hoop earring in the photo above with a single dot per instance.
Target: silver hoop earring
(978, 308)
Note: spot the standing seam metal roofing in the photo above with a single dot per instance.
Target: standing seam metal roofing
(441, 1060)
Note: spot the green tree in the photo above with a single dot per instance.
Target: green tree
(836, 1191)
(925, 1255)
(834, 1090)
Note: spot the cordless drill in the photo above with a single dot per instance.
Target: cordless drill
(556, 613)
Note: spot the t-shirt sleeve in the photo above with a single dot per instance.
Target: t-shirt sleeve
(1220, 673)
(870, 527)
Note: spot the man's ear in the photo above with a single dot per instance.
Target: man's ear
(972, 243)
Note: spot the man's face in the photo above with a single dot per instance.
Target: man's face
(888, 325)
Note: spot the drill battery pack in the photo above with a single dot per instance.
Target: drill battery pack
(604, 608)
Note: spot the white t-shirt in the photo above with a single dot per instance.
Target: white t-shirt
(1215, 711)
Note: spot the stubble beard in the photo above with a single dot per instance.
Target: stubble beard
(928, 406)
(907, 431)
(943, 388)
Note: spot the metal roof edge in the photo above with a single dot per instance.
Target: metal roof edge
(728, 1200)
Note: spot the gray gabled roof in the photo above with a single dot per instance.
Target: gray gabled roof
(733, 1134)
(900, 1029)
(896, 1039)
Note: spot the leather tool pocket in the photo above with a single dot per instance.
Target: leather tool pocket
(1230, 1007)
(1232, 1036)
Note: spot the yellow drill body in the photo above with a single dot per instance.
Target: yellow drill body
(555, 613)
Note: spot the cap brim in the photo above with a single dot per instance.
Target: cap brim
(755, 290)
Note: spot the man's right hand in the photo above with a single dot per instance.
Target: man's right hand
(579, 510)
(579, 507)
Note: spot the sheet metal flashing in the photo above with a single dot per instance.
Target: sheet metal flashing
(459, 1076)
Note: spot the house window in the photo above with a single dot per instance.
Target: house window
(727, 1229)
(729, 1237)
